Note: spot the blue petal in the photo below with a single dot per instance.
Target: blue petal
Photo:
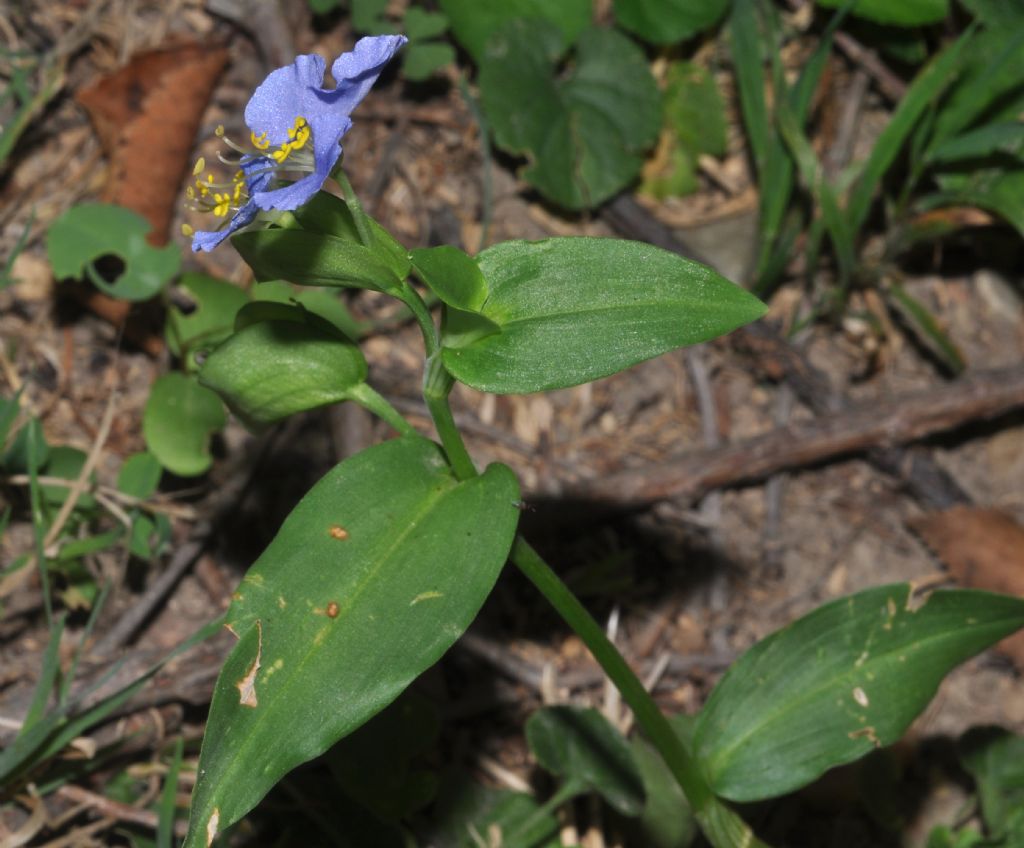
(284, 94)
(356, 72)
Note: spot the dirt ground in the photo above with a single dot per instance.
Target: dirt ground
(686, 585)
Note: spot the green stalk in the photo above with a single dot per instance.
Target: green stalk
(437, 385)
(358, 215)
(647, 713)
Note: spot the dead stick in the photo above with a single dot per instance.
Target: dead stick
(883, 423)
(774, 357)
(117, 810)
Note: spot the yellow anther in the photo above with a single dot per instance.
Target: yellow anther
(260, 142)
(199, 167)
(282, 153)
(223, 204)
(299, 134)
(190, 193)
(219, 132)
(186, 230)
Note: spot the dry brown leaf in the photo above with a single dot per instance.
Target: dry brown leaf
(983, 549)
(147, 114)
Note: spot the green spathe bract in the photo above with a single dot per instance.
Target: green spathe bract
(272, 369)
(315, 259)
(844, 679)
(372, 577)
(572, 310)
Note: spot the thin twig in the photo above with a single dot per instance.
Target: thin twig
(117, 810)
(876, 424)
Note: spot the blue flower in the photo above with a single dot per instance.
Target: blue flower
(295, 127)
(253, 175)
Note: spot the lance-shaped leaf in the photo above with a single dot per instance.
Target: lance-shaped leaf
(846, 678)
(373, 576)
(570, 310)
(272, 369)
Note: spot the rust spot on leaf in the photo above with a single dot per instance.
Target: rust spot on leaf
(247, 685)
(868, 733)
(332, 609)
(338, 532)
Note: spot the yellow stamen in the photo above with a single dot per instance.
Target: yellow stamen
(282, 153)
(219, 132)
(223, 205)
(186, 230)
(299, 134)
(199, 167)
(190, 193)
(260, 142)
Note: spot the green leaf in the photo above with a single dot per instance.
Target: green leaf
(666, 820)
(452, 275)
(934, 336)
(694, 109)
(584, 130)
(216, 302)
(991, 76)
(1003, 138)
(421, 24)
(314, 259)
(374, 575)
(995, 759)
(906, 13)
(846, 678)
(924, 92)
(369, 16)
(379, 765)
(473, 22)
(695, 124)
(669, 21)
(997, 13)
(139, 475)
(572, 310)
(66, 463)
(86, 233)
(17, 459)
(179, 418)
(273, 369)
(581, 746)
(997, 190)
(420, 60)
(328, 214)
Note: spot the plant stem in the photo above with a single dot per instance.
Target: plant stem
(647, 713)
(369, 399)
(437, 384)
(358, 215)
(411, 298)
